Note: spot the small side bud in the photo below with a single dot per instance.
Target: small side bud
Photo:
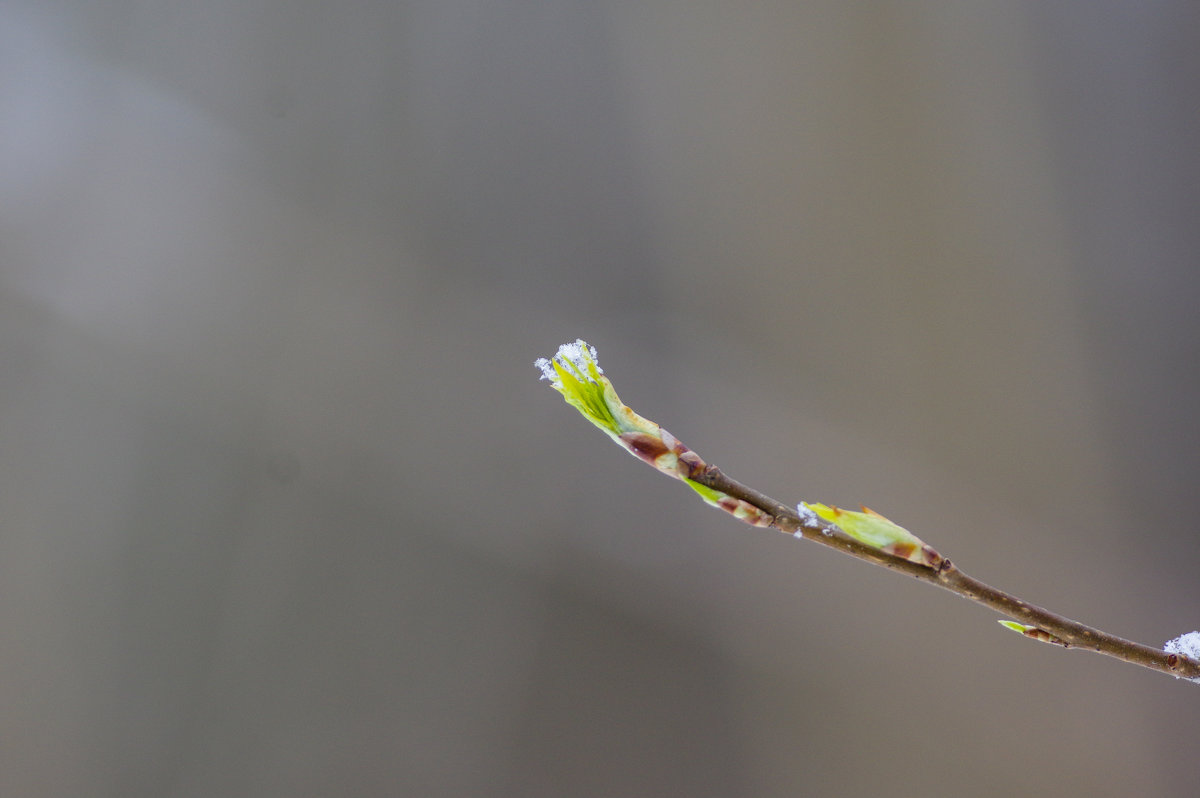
(1034, 633)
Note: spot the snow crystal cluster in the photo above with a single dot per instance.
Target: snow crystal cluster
(807, 516)
(578, 354)
(809, 519)
(1188, 645)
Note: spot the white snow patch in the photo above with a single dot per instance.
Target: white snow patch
(807, 516)
(1188, 645)
(578, 354)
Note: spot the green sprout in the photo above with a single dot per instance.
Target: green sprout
(575, 374)
(878, 532)
(1033, 632)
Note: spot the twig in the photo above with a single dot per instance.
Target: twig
(575, 374)
(1064, 631)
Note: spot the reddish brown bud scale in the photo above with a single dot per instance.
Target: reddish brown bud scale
(744, 511)
(902, 550)
(645, 446)
(1045, 637)
(690, 462)
(906, 550)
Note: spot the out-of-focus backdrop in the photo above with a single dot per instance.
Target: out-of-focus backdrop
(286, 512)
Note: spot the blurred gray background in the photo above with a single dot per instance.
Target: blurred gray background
(286, 511)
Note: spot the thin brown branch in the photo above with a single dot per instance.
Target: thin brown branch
(575, 374)
(1064, 631)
